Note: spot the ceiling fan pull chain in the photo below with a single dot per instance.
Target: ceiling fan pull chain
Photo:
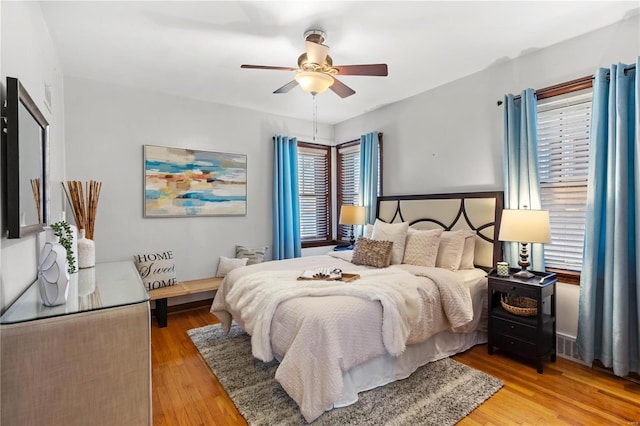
(315, 118)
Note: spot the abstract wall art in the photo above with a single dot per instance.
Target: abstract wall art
(181, 182)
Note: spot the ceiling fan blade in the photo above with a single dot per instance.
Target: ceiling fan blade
(341, 89)
(267, 67)
(316, 53)
(290, 85)
(368, 69)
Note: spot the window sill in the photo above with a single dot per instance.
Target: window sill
(308, 244)
(566, 276)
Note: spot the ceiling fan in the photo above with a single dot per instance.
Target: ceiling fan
(316, 72)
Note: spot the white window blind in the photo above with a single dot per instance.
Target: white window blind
(348, 182)
(563, 151)
(313, 187)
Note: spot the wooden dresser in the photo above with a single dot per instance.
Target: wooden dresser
(85, 362)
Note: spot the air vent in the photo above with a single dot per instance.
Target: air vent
(566, 348)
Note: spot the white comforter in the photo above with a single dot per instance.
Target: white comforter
(318, 338)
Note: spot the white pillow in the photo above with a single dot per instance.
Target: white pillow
(394, 232)
(450, 250)
(468, 250)
(368, 230)
(228, 264)
(422, 247)
(157, 269)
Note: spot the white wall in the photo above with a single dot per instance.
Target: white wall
(450, 138)
(106, 128)
(447, 139)
(28, 54)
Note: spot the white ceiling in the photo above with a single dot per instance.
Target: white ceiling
(195, 49)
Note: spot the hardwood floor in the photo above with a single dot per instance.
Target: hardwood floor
(185, 391)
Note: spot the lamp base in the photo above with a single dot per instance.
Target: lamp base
(524, 274)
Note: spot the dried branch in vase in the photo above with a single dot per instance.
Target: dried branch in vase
(35, 188)
(83, 209)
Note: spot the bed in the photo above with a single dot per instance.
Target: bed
(335, 339)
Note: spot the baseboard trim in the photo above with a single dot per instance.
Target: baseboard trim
(599, 366)
(566, 348)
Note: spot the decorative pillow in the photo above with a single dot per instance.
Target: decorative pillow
(368, 230)
(156, 269)
(394, 232)
(228, 264)
(468, 250)
(422, 247)
(372, 253)
(253, 255)
(450, 250)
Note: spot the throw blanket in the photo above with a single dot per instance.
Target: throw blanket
(257, 296)
(320, 338)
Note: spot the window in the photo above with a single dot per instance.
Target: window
(314, 188)
(314, 177)
(348, 157)
(563, 155)
(348, 180)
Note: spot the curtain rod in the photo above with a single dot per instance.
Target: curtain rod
(574, 85)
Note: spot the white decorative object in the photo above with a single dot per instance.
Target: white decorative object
(72, 296)
(48, 235)
(86, 282)
(53, 276)
(503, 269)
(86, 251)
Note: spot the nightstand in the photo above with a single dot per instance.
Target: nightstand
(531, 337)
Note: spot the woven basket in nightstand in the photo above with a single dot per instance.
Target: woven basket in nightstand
(519, 305)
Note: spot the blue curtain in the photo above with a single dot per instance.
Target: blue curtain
(368, 189)
(286, 201)
(520, 166)
(608, 328)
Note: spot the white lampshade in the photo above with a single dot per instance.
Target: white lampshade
(352, 215)
(525, 226)
(314, 82)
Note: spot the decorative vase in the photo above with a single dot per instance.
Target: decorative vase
(86, 251)
(53, 276)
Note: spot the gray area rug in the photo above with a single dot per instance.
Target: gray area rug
(439, 393)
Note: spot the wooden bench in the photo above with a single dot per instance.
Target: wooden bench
(160, 295)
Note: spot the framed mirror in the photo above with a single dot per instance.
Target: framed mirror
(26, 154)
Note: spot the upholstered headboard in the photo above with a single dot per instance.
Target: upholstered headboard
(478, 211)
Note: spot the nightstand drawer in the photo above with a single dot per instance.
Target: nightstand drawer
(513, 329)
(515, 288)
(515, 345)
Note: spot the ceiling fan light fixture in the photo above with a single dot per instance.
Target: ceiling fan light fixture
(314, 82)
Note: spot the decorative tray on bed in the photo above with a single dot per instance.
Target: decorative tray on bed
(325, 274)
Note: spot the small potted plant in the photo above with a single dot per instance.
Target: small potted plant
(63, 231)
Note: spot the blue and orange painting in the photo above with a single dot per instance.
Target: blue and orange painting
(186, 182)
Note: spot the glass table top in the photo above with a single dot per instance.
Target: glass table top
(106, 285)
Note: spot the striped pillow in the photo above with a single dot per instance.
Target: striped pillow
(253, 255)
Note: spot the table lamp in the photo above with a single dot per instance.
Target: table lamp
(525, 226)
(352, 215)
